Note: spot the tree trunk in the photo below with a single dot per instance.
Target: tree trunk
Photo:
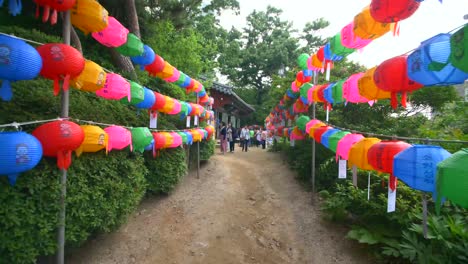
(124, 63)
(132, 17)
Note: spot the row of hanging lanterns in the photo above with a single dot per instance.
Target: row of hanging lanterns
(440, 60)
(22, 151)
(426, 168)
(91, 17)
(63, 63)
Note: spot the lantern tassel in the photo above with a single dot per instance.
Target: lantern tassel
(46, 14)
(393, 183)
(15, 7)
(56, 86)
(5, 91)
(393, 101)
(66, 82)
(64, 159)
(53, 17)
(403, 99)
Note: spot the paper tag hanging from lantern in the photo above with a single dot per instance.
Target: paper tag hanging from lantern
(292, 142)
(153, 119)
(327, 74)
(342, 169)
(195, 121)
(391, 202)
(188, 121)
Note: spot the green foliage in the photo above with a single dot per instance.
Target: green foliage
(166, 170)
(102, 191)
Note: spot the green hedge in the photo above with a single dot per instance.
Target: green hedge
(102, 191)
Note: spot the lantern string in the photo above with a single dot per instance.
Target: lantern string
(425, 140)
(23, 39)
(17, 125)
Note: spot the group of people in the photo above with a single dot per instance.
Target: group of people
(247, 137)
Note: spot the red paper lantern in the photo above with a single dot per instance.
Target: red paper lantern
(159, 102)
(59, 139)
(55, 5)
(301, 78)
(60, 61)
(392, 76)
(318, 132)
(380, 157)
(388, 11)
(156, 66)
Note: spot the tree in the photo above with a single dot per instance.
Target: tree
(310, 34)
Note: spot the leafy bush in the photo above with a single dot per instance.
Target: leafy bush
(102, 191)
(166, 170)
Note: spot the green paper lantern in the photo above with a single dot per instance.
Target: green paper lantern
(181, 79)
(137, 92)
(335, 138)
(183, 136)
(459, 49)
(452, 179)
(141, 137)
(302, 121)
(304, 90)
(337, 92)
(133, 47)
(183, 109)
(302, 61)
(337, 47)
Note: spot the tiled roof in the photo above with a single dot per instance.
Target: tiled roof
(229, 91)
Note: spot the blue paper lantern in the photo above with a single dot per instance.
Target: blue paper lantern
(326, 136)
(19, 152)
(186, 82)
(18, 61)
(304, 100)
(328, 93)
(429, 63)
(329, 55)
(148, 100)
(202, 93)
(307, 73)
(417, 166)
(189, 138)
(150, 146)
(14, 7)
(144, 59)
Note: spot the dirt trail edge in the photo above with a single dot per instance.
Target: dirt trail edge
(246, 208)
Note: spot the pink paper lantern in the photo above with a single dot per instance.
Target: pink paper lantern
(351, 90)
(114, 35)
(176, 109)
(176, 140)
(349, 40)
(119, 138)
(175, 76)
(115, 88)
(346, 143)
(294, 87)
(312, 123)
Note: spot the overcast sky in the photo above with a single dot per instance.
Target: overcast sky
(430, 19)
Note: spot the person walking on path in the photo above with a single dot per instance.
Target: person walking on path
(251, 137)
(230, 137)
(245, 137)
(223, 137)
(264, 135)
(258, 137)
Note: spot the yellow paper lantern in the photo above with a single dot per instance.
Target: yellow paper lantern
(358, 153)
(95, 140)
(168, 105)
(312, 129)
(316, 62)
(89, 16)
(91, 79)
(368, 88)
(167, 71)
(366, 27)
(168, 139)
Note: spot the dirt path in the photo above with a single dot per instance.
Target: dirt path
(246, 208)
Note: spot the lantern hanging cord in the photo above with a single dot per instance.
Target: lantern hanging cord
(23, 39)
(17, 125)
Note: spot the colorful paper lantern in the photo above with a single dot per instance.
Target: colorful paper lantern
(392, 76)
(54, 5)
(159, 140)
(132, 47)
(144, 59)
(114, 35)
(189, 137)
(337, 92)
(175, 76)
(296, 134)
(166, 72)
(328, 93)
(350, 40)
(388, 11)
(417, 166)
(91, 79)
(380, 157)
(136, 93)
(95, 139)
(156, 66)
(176, 140)
(358, 154)
(60, 62)
(366, 27)
(337, 47)
(59, 139)
(183, 135)
(326, 136)
(89, 16)
(311, 124)
(351, 90)
(459, 48)
(19, 152)
(345, 145)
(335, 138)
(302, 121)
(148, 99)
(18, 61)
(452, 179)
(118, 138)
(319, 131)
(368, 88)
(141, 137)
(115, 88)
(429, 63)
(14, 7)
